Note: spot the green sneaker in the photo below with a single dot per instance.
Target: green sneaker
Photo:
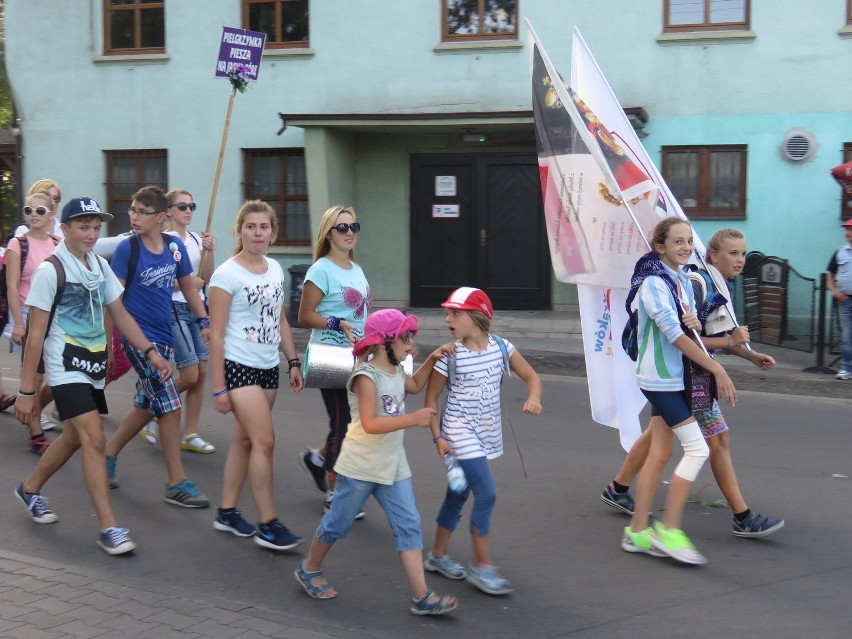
(640, 542)
(676, 545)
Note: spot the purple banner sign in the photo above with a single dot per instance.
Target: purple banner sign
(240, 46)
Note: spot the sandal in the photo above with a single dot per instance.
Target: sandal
(317, 591)
(423, 606)
(148, 434)
(194, 443)
(6, 401)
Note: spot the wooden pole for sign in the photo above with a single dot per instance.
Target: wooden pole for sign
(216, 178)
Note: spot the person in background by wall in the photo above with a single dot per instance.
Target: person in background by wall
(840, 285)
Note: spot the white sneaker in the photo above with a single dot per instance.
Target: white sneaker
(46, 424)
(844, 375)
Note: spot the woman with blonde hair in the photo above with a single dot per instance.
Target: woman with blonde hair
(335, 301)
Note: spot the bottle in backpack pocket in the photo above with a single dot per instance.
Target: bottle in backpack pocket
(455, 475)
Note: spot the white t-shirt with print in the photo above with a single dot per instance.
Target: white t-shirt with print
(472, 421)
(253, 332)
(193, 249)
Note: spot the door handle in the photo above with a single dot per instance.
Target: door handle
(483, 237)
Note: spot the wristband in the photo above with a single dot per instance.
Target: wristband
(729, 341)
(221, 392)
(203, 322)
(293, 363)
(152, 347)
(437, 437)
(333, 323)
(25, 394)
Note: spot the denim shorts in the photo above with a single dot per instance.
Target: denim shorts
(397, 500)
(189, 345)
(670, 405)
(152, 395)
(481, 484)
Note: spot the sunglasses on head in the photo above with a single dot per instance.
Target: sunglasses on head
(41, 210)
(182, 206)
(343, 227)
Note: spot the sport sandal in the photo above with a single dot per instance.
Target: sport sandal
(317, 591)
(442, 605)
(195, 444)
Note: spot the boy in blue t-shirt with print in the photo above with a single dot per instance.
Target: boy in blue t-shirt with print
(159, 263)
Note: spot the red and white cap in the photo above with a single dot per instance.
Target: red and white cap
(847, 223)
(470, 299)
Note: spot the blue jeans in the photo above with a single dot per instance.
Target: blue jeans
(481, 484)
(845, 310)
(397, 500)
(189, 345)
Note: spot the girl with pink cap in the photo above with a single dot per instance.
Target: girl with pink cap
(372, 459)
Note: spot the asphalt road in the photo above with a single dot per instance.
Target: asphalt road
(552, 537)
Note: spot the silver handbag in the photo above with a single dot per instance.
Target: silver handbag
(328, 365)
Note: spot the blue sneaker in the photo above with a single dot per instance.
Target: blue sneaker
(185, 494)
(37, 505)
(112, 467)
(276, 536)
(116, 541)
(756, 525)
(445, 565)
(619, 501)
(488, 580)
(233, 522)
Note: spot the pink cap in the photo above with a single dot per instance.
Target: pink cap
(382, 324)
(470, 299)
(847, 222)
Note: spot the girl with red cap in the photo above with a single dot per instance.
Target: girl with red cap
(372, 459)
(471, 428)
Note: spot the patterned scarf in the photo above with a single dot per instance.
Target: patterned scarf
(648, 265)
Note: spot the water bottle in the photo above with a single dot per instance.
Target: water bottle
(455, 474)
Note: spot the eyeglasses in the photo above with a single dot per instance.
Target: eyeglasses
(133, 211)
(41, 210)
(182, 206)
(57, 198)
(344, 228)
(407, 337)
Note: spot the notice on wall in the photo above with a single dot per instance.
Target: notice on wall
(445, 186)
(240, 47)
(446, 210)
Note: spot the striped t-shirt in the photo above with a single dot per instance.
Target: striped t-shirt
(472, 424)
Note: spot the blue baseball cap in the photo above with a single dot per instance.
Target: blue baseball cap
(83, 206)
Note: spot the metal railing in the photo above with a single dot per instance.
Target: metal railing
(776, 302)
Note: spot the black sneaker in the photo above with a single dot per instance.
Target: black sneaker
(316, 472)
(756, 525)
(619, 501)
(233, 522)
(276, 536)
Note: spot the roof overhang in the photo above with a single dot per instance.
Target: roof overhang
(486, 122)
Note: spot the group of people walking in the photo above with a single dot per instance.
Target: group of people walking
(168, 304)
(69, 337)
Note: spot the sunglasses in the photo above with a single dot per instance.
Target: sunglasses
(41, 210)
(344, 228)
(182, 206)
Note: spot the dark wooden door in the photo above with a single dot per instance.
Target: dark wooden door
(476, 220)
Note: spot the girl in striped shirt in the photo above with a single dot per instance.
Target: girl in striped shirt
(471, 428)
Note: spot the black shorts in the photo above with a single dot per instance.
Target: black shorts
(239, 375)
(73, 400)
